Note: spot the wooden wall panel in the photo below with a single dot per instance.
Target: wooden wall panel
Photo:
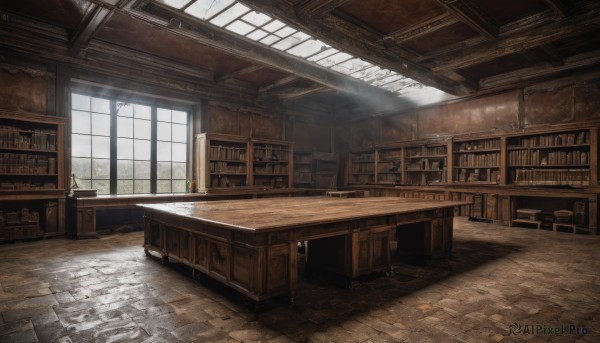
(266, 127)
(311, 136)
(366, 133)
(587, 102)
(489, 113)
(399, 128)
(548, 106)
(245, 122)
(223, 120)
(22, 92)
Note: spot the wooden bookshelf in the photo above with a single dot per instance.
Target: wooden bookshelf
(325, 169)
(477, 161)
(32, 176)
(222, 162)
(426, 164)
(272, 165)
(303, 169)
(551, 159)
(389, 166)
(362, 167)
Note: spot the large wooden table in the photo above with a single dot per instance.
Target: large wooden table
(252, 245)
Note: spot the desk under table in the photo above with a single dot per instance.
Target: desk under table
(252, 245)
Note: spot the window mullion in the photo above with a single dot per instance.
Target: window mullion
(113, 147)
(153, 149)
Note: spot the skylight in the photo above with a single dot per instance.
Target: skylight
(240, 19)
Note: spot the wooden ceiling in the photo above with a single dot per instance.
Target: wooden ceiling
(463, 48)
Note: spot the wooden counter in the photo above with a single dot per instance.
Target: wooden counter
(251, 245)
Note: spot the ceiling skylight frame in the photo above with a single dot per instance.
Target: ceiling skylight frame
(246, 28)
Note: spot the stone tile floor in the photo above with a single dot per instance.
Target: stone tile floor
(107, 290)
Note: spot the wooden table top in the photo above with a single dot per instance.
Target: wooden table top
(279, 213)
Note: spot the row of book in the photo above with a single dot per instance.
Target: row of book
(363, 168)
(551, 177)
(364, 157)
(425, 151)
(558, 139)
(219, 152)
(224, 167)
(479, 160)
(18, 185)
(275, 169)
(26, 164)
(270, 152)
(552, 158)
(477, 175)
(15, 138)
(390, 155)
(489, 144)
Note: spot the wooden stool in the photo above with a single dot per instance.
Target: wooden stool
(528, 216)
(564, 218)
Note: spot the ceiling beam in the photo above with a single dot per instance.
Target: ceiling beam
(249, 69)
(316, 8)
(294, 92)
(540, 36)
(559, 7)
(279, 83)
(361, 43)
(207, 34)
(425, 28)
(471, 14)
(91, 23)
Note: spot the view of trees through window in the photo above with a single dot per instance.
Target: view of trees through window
(142, 162)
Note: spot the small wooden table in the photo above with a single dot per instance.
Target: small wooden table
(342, 194)
(252, 245)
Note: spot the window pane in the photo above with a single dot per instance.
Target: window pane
(163, 170)
(323, 54)
(85, 184)
(124, 186)
(82, 168)
(273, 26)
(141, 186)
(124, 148)
(82, 145)
(285, 31)
(179, 152)
(100, 105)
(124, 127)
(125, 169)
(311, 46)
(100, 147)
(179, 133)
(80, 102)
(256, 18)
(163, 151)
(205, 9)
(229, 15)
(178, 4)
(270, 39)
(141, 129)
(178, 186)
(141, 170)
(163, 186)
(100, 169)
(141, 150)
(100, 124)
(124, 109)
(240, 27)
(334, 59)
(258, 34)
(80, 122)
(179, 171)
(291, 41)
(163, 114)
(163, 131)
(103, 186)
(180, 117)
(142, 111)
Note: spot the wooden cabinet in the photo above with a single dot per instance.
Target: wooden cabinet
(231, 163)
(222, 162)
(303, 169)
(271, 164)
(325, 167)
(389, 166)
(362, 167)
(477, 161)
(426, 164)
(32, 178)
(552, 159)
